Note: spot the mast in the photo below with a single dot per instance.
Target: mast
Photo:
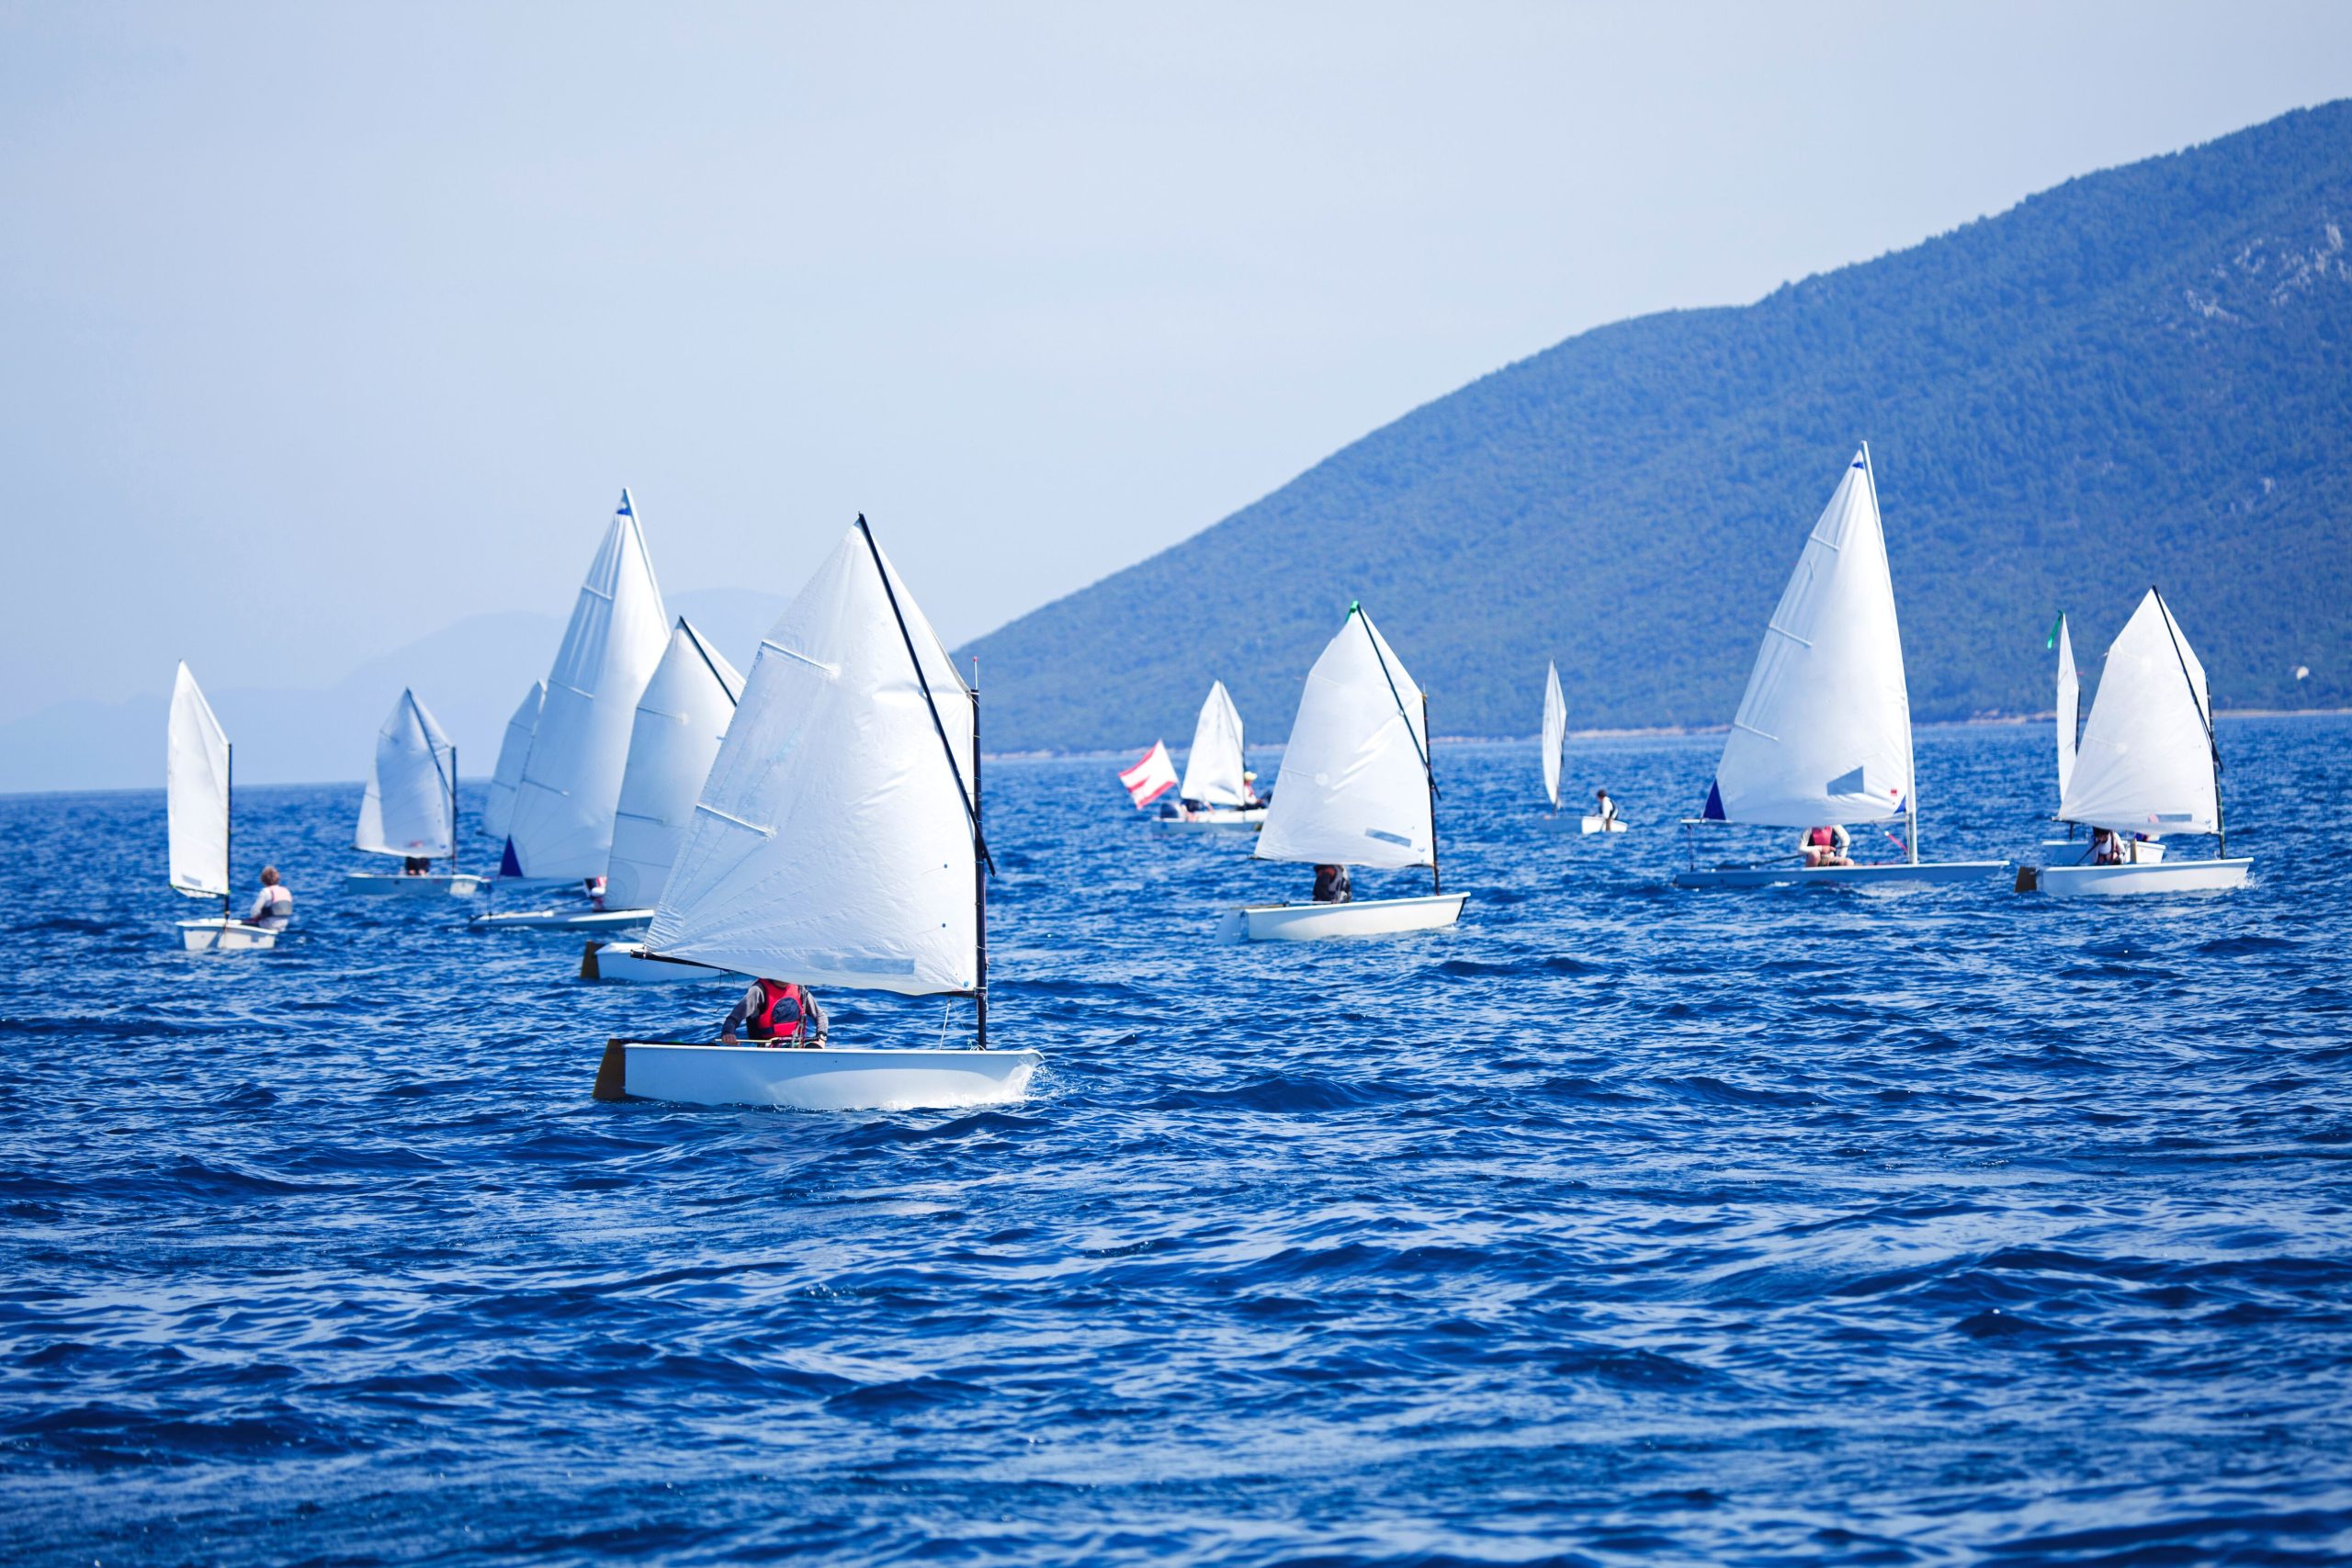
(1910, 759)
(2205, 712)
(228, 821)
(982, 863)
(979, 877)
(1437, 883)
(453, 809)
(1421, 743)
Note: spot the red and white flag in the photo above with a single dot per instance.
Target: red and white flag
(1152, 777)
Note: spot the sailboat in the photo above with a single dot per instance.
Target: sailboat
(2149, 764)
(2068, 707)
(1356, 788)
(411, 806)
(1556, 733)
(561, 828)
(196, 789)
(514, 751)
(1215, 791)
(1823, 735)
(681, 721)
(838, 842)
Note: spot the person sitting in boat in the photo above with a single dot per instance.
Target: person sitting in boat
(1606, 810)
(776, 1014)
(1825, 845)
(2107, 848)
(415, 866)
(274, 905)
(1331, 885)
(594, 887)
(1249, 795)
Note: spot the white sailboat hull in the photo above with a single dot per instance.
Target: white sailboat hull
(1364, 917)
(821, 1079)
(627, 964)
(385, 885)
(221, 935)
(1595, 825)
(1862, 875)
(2158, 876)
(562, 921)
(1251, 817)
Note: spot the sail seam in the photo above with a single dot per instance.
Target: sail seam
(726, 816)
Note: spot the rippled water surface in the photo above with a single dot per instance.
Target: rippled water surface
(1620, 1223)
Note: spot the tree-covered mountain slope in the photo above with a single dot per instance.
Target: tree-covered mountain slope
(2144, 374)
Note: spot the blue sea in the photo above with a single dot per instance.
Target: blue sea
(1618, 1223)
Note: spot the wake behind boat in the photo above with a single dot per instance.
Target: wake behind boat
(837, 841)
(411, 809)
(2149, 764)
(1822, 741)
(1356, 788)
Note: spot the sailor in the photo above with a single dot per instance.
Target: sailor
(1826, 845)
(2107, 849)
(594, 887)
(1608, 810)
(274, 905)
(415, 866)
(1249, 795)
(1331, 885)
(776, 1014)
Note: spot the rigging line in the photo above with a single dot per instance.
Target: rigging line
(1396, 696)
(971, 817)
(695, 638)
(2204, 712)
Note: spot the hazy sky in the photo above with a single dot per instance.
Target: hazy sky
(325, 326)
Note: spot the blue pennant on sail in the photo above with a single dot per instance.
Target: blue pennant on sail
(1714, 811)
(507, 865)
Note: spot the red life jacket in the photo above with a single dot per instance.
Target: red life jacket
(1824, 838)
(781, 1014)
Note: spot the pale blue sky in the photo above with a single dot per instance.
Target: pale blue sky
(326, 327)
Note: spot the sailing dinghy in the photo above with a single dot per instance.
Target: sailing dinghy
(514, 751)
(561, 825)
(1215, 791)
(1356, 788)
(2148, 765)
(411, 806)
(197, 789)
(1556, 733)
(2068, 708)
(837, 842)
(680, 720)
(1823, 735)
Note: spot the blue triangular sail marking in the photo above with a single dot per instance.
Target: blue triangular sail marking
(1714, 811)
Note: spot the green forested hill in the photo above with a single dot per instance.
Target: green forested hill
(2144, 374)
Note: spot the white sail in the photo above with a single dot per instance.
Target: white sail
(195, 793)
(1555, 732)
(2069, 705)
(834, 844)
(498, 807)
(1213, 768)
(1824, 732)
(680, 720)
(563, 823)
(2146, 760)
(1354, 786)
(408, 808)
